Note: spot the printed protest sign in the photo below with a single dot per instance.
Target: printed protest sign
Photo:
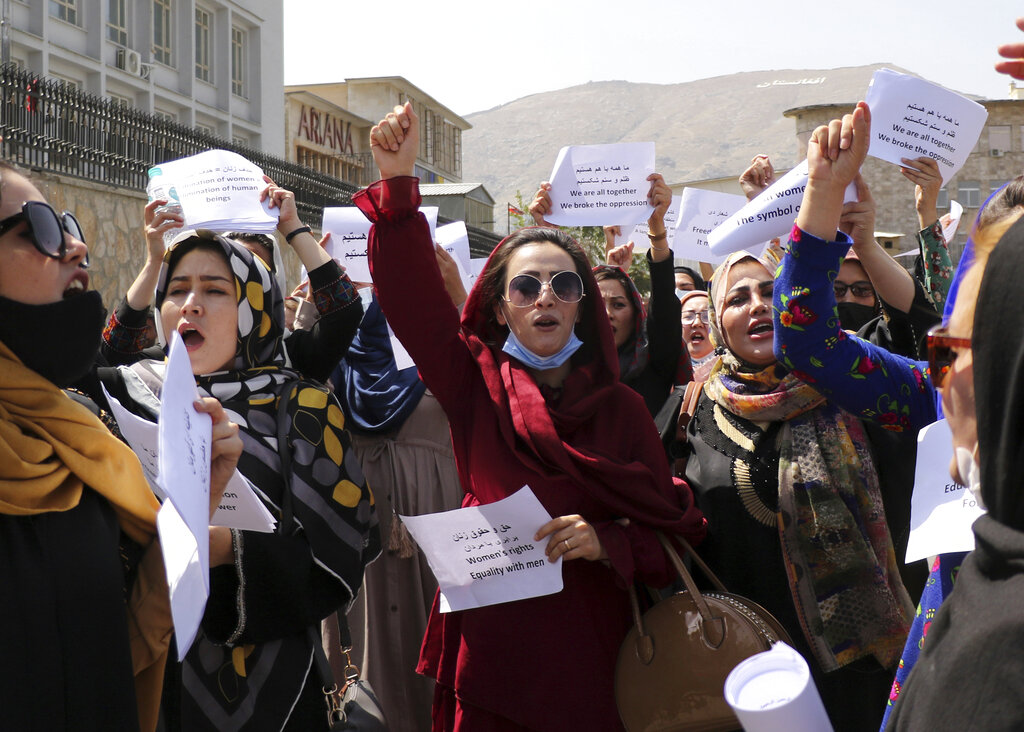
(350, 235)
(941, 510)
(701, 212)
(911, 117)
(217, 190)
(484, 555)
(601, 185)
(638, 234)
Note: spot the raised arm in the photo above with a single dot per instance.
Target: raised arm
(924, 173)
(404, 265)
(863, 379)
(892, 283)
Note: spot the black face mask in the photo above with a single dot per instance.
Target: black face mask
(854, 316)
(58, 341)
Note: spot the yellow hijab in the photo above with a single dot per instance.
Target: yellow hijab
(51, 447)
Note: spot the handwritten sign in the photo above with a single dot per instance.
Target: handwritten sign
(941, 511)
(217, 190)
(701, 212)
(484, 555)
(239, 507)
(350, 235)
(639, 233)
(184, 455)
(770, 215)
(599, 185)
(911, 117)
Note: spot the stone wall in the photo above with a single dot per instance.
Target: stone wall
(112, 221)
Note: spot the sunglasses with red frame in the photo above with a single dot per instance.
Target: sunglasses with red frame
(942, 354)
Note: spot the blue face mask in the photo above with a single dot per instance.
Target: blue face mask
(521, 353)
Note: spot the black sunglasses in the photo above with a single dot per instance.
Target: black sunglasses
(45, 229)
(524, 290)
(941, 353)
(860, 289)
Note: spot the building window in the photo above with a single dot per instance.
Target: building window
(995, 185)
(66, 10)
(117, 22)
(969, 193)
(202, 44)
(206, 129)
(119, 101)
(165, 116)
(240, 140)
(999, 139)
(942, 202)
(238, 62)
(162, 32)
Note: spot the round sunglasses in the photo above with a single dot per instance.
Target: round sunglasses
(524, 290)
(941, 353)
(45, 228)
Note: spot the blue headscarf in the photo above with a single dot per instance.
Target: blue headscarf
(375, 395)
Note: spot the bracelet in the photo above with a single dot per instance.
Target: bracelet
(659, 249)
(658, 237)
(292, 234)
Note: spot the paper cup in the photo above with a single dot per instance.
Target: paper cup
(773, 692)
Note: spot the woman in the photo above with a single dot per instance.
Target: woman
(647, 339)
(966, 675)
(696, 338)
(794, 504)
(529, 383)
(85, 603)
(250, 667)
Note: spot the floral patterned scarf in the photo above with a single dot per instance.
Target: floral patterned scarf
(835, 540)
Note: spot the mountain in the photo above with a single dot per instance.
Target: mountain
(703, 129)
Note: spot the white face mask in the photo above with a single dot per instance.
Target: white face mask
(970, 472)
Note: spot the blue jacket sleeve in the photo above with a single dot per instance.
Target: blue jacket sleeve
(862, 378)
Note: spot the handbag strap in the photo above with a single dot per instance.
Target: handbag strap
(712, 627)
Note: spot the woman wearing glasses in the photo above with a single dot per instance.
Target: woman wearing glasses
(695, 320)
(528, 382)
(84, 606)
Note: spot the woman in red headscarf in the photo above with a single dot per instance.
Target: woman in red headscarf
(529, 380)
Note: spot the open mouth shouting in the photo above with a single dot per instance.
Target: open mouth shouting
(78, 284)
(191, 336)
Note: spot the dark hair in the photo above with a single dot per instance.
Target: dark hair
(492, 280)
(264, 240)
(1003, 204)
(698, 281)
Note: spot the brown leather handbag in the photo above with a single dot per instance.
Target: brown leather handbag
(670, 675)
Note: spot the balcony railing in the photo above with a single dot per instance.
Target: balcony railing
(49, 125)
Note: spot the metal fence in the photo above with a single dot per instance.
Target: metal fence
(49, 125)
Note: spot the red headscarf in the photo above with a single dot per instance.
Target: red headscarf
(542, 435)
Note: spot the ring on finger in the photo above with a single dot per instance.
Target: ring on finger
(568, 546)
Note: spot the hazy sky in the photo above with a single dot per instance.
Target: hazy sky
(472, 55)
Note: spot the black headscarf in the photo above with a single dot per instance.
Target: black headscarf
(970, 674)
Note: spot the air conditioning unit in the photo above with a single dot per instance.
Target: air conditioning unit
(131, 61)
(996, 153)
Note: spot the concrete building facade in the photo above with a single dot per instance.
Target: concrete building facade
(210, 64)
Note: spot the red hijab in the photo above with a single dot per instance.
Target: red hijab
(543, 436)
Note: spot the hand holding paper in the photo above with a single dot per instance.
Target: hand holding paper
(225, 448)
(758, 176)
(541, 204)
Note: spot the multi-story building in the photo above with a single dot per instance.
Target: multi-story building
(214, 65)
(440, 154)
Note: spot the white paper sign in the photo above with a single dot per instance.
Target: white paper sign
(184, 455)
(476, 266)
(639, 233)
(484, 555)
(701, 212)
(941, 511)
(773, 691)
(217, 189)
(772, 214)
(601, 185)
(454, 239)
(911, 118)
(350, 236)
(950, 222)
(239, 508)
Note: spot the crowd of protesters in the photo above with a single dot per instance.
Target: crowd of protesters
(790, 470)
